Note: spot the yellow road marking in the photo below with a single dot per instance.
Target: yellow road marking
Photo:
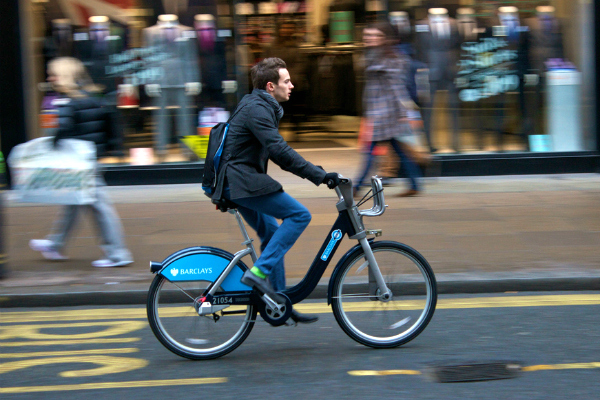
(72, 341)
(562, 366)
(68, 353)
(386, 372)
(531, 368)
(113, 385)
(477, 302)
(108, 365)
(33, 332)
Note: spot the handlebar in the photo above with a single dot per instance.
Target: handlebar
(345, 194)
(378, 200)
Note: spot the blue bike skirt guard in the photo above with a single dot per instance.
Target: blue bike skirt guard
(204, 267)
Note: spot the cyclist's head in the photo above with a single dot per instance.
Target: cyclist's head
(267, 70)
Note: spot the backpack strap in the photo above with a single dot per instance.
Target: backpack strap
(236, 112)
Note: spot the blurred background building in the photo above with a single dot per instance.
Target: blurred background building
(504, 86)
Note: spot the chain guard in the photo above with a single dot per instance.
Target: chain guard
(276, 318)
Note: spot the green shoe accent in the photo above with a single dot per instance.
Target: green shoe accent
(258, 272)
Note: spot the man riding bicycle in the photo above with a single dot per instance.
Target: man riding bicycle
(252, 139)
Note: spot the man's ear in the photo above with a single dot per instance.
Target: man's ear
(270, 86)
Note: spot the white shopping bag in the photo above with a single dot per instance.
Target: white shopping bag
(62, 175)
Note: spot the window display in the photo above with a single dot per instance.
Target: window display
(488, 76)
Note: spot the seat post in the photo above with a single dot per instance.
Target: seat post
(247, 240)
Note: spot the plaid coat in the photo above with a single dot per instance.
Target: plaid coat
(385, 90)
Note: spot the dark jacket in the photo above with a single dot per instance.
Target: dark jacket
(253, 139)
(82, 118)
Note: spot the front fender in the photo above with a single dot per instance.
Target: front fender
(349, 254)
(203, 264)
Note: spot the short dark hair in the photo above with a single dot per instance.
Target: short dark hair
(267, 70)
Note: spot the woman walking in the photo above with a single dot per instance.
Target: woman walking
(81, 116)
(386, 99)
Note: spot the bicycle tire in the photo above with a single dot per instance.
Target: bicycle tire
(374, 322)
(176, 324)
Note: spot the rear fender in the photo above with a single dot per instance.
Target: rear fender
(203, 264)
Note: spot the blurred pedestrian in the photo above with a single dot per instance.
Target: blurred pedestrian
(81, 116)
(386, 100)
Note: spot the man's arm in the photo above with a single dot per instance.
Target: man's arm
(261, 124)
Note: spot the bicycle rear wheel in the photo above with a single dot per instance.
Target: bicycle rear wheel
(379, 323)
(174, 319)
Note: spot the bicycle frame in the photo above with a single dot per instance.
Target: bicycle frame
(349, 222)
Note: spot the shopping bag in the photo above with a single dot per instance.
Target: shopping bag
(62, 175)
(365, 135)
(412, 140)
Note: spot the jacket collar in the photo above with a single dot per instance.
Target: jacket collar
(271, 100)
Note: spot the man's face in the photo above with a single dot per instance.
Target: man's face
(282, 90)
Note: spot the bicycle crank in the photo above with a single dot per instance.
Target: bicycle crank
(274, 313)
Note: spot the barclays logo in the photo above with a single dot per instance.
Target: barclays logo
(190, 271)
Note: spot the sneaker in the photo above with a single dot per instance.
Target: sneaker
(44, 246)
(106, 263)
(54, 255)
(40, 245)
(262, 285)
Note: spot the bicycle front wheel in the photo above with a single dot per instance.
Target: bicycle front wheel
(174, 319)
(380, 323)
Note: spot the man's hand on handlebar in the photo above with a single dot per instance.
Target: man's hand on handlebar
(332, 180)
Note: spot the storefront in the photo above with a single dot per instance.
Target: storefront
(517, 92)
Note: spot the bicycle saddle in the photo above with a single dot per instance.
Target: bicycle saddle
(223, 205)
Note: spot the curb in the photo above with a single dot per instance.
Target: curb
(138, 297)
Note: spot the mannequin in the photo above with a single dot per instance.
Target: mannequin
(94, 48)
(99, 28)
(467, 24)
(180, 80)
(59, 40)
(546, 42)
(401, 21)
(211, 50)
(62, 32)
(439, 22)
(518, 40)
(438, 45)
(546, 37)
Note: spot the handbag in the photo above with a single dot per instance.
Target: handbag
(412, 140)
(43, 173)
(365, 134)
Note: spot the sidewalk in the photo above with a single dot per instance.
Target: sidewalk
(484, 234)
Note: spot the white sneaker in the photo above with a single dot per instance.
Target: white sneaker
(44, 246)
(40, 245)
(106, 263)
(54, 255)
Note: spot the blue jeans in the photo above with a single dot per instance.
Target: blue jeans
(261, 213)
(412, 170)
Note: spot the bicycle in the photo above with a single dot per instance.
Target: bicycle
(383, 293)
